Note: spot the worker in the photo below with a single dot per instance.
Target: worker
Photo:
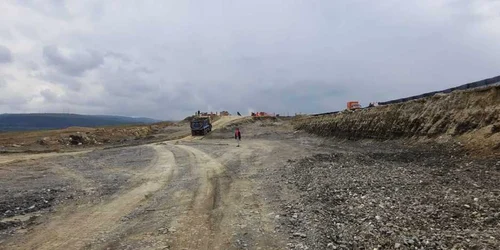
(237, 136)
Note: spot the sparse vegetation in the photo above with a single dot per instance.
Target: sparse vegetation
(468, 116)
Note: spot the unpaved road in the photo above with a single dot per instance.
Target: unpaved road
(185, 199)
(279, 190)
(193, 194)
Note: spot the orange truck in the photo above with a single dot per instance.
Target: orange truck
(353, 105)
(261, 114)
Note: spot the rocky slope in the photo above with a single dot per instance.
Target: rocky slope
(472, 117)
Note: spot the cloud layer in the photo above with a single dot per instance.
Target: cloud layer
(5, 55)
(168, 59)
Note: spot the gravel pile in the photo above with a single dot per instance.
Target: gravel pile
(412, 199)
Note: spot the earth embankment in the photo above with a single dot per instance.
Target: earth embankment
(471, 117)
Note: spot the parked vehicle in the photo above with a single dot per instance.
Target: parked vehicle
(201, 125)
(353, 105)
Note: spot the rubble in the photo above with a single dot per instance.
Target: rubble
(392, 199)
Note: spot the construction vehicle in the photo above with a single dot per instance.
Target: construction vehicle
(353, 105)
(201, 125)
(260, 114)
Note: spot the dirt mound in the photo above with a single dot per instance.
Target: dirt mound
(473, 117)
(76, 136)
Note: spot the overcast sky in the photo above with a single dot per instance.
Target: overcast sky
(167, 59)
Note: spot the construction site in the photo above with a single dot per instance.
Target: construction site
(418, 173)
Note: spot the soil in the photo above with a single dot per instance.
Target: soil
(281, 189)
(78, 138)
(471, 117)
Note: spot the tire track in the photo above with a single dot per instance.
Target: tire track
(197, 228)
(75, 230)
(223, 203)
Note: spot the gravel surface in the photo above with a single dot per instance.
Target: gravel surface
(399, 198)
(32, 187)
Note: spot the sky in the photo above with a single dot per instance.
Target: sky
(168, 59)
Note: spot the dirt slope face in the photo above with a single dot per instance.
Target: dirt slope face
(471, 116)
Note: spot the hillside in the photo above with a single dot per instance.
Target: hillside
(29, 122)
(472, 117)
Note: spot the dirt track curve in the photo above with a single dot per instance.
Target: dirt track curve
(184, 199)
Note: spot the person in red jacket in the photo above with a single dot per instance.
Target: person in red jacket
(237, 136)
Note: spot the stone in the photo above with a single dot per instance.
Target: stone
(300, 235)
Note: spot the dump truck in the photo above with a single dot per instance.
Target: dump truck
(201, 125)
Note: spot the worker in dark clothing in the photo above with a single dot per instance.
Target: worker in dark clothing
(237, 136)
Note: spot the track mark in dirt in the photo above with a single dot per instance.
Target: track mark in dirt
(196, 229)
(225, 211)
(216, 197)
(9, 158)
(76, 229)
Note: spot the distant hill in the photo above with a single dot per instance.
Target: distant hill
(25, 122)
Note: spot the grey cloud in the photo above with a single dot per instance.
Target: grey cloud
(127, 83)
(50, 8)
(5, 78)
(3, 82)
(171, 60)
(119, 56)
(75, 98)
(144, 70)
(31, 65)
(307, 96)
(14, 101)
(74, 64)
(60, 79)
(5, 54)
(48, 95)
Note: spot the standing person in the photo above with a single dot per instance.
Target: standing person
(237, 136)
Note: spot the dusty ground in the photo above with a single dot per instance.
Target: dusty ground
(280, 190)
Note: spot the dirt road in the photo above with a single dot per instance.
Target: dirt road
(279, 190)
(185, 198)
